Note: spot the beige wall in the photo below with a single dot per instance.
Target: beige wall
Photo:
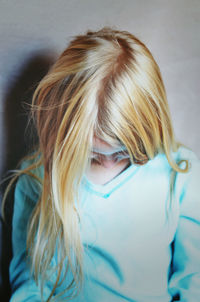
(30, 29)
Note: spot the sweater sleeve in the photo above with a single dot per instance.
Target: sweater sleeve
(184, 283)
(24, 288)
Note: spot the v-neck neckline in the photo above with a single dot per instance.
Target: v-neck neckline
(108, 188)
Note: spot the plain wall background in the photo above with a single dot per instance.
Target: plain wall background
(32, 33)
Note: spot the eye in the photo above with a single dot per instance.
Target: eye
(121, 155)
(95, 159)
(95, 162)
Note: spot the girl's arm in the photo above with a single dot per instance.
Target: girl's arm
(24, 288)
(184, 283)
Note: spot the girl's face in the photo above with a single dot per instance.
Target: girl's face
(107, 156)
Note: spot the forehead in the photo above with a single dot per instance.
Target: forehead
(102, 146)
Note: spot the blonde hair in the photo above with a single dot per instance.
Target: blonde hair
(106, 83)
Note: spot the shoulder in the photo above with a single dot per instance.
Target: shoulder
(160, 164)
(30, 179)
(184, 183)
(186, 154)
(188, 184)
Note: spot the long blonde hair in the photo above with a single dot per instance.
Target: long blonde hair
(106, 83)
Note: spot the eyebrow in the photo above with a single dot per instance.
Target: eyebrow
(117, 150)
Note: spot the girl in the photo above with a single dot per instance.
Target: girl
(108, 207)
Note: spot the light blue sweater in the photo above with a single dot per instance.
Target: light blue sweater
(127, 235)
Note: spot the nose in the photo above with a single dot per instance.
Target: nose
(108, 163)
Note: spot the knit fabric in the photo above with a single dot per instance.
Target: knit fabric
(139, 245)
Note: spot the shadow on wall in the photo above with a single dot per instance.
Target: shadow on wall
(20, 139)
